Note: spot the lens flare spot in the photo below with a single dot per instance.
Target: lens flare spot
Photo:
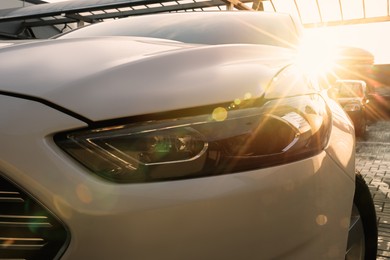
(321, 220)
(247, 96)
(237, 101)
(220, 114)
(84, 194)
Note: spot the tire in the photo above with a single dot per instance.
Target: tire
(361, 127)
(363, 232)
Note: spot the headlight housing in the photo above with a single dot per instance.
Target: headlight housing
(227, 140)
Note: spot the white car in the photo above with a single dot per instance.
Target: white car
(176, 136)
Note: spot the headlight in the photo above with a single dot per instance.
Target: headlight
(350, 107)
(220, 142)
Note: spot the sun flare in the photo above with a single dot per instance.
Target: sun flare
(317, 56)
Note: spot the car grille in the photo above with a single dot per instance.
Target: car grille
(27, 229)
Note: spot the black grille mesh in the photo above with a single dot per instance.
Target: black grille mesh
(27, 229)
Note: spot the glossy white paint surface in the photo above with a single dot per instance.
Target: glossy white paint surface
(107, 77)
(288, 211)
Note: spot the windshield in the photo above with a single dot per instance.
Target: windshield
(202, 28)
(349, 90)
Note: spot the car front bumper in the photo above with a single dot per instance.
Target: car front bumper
(299, 210)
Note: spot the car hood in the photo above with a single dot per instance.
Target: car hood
(7, 43)
(111, 77)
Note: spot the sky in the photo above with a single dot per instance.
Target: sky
(373, 37)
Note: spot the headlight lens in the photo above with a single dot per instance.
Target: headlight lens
(279, 131)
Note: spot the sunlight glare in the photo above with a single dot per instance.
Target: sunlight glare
(316, 56)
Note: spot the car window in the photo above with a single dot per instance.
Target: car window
(350, 90)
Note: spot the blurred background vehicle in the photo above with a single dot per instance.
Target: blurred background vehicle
(379, 90)
(352, 96)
